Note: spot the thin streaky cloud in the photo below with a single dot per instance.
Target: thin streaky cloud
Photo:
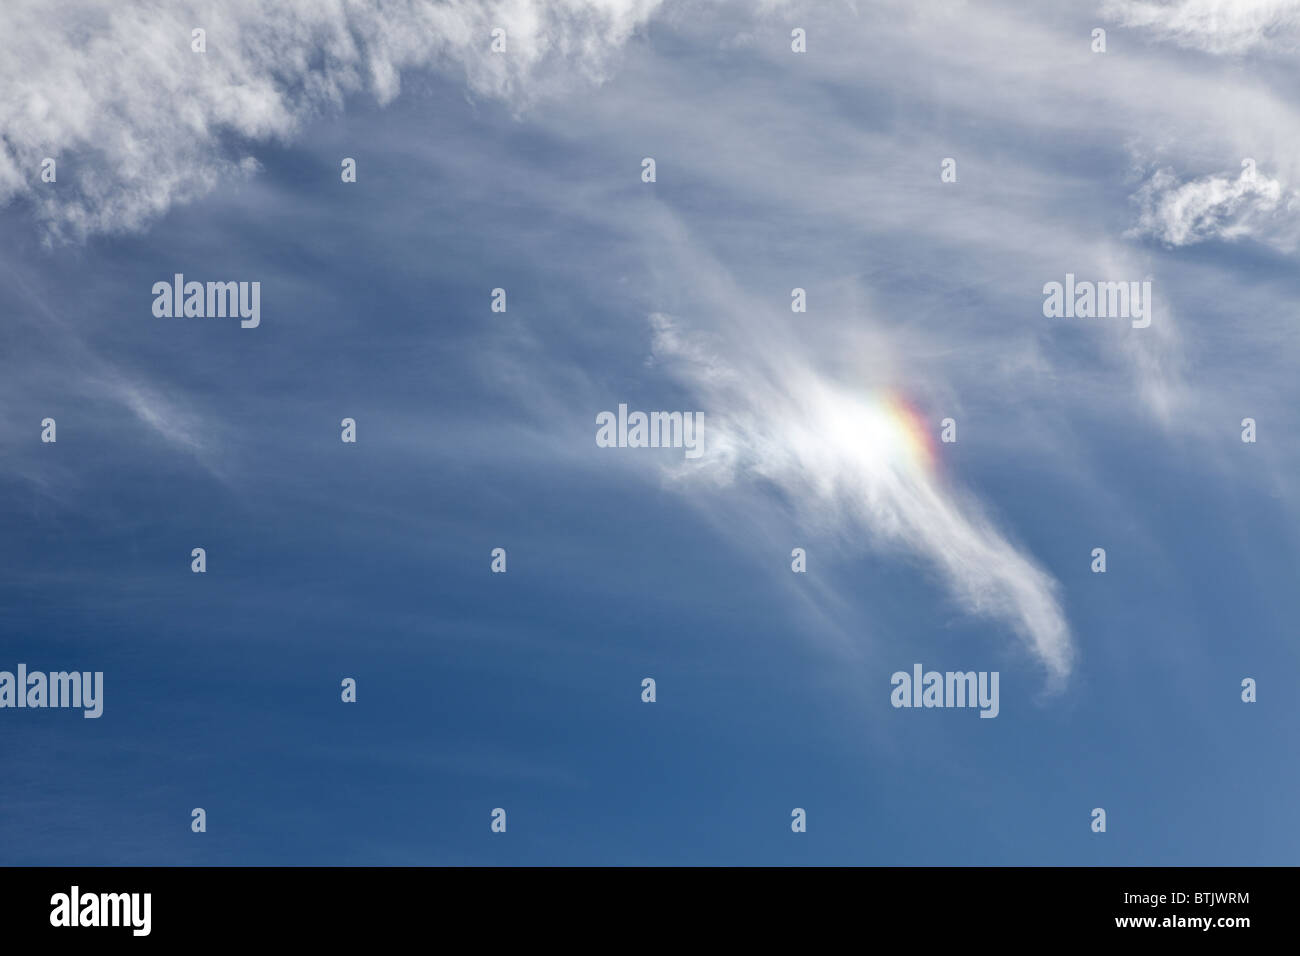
(1221, 27)
(138, 121)
(856, 462)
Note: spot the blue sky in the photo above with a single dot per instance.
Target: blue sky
(775, 170)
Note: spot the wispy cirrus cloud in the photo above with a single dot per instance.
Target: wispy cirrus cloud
(861, 196)
(138, 121)
(1229, 27)
(853, 459)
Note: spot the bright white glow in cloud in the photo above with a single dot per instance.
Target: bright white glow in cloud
(858, 459)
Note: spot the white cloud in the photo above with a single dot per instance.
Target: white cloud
(139, 122)
(1249, 206)
(850, 465)
(1215, 26)
(817, 177)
